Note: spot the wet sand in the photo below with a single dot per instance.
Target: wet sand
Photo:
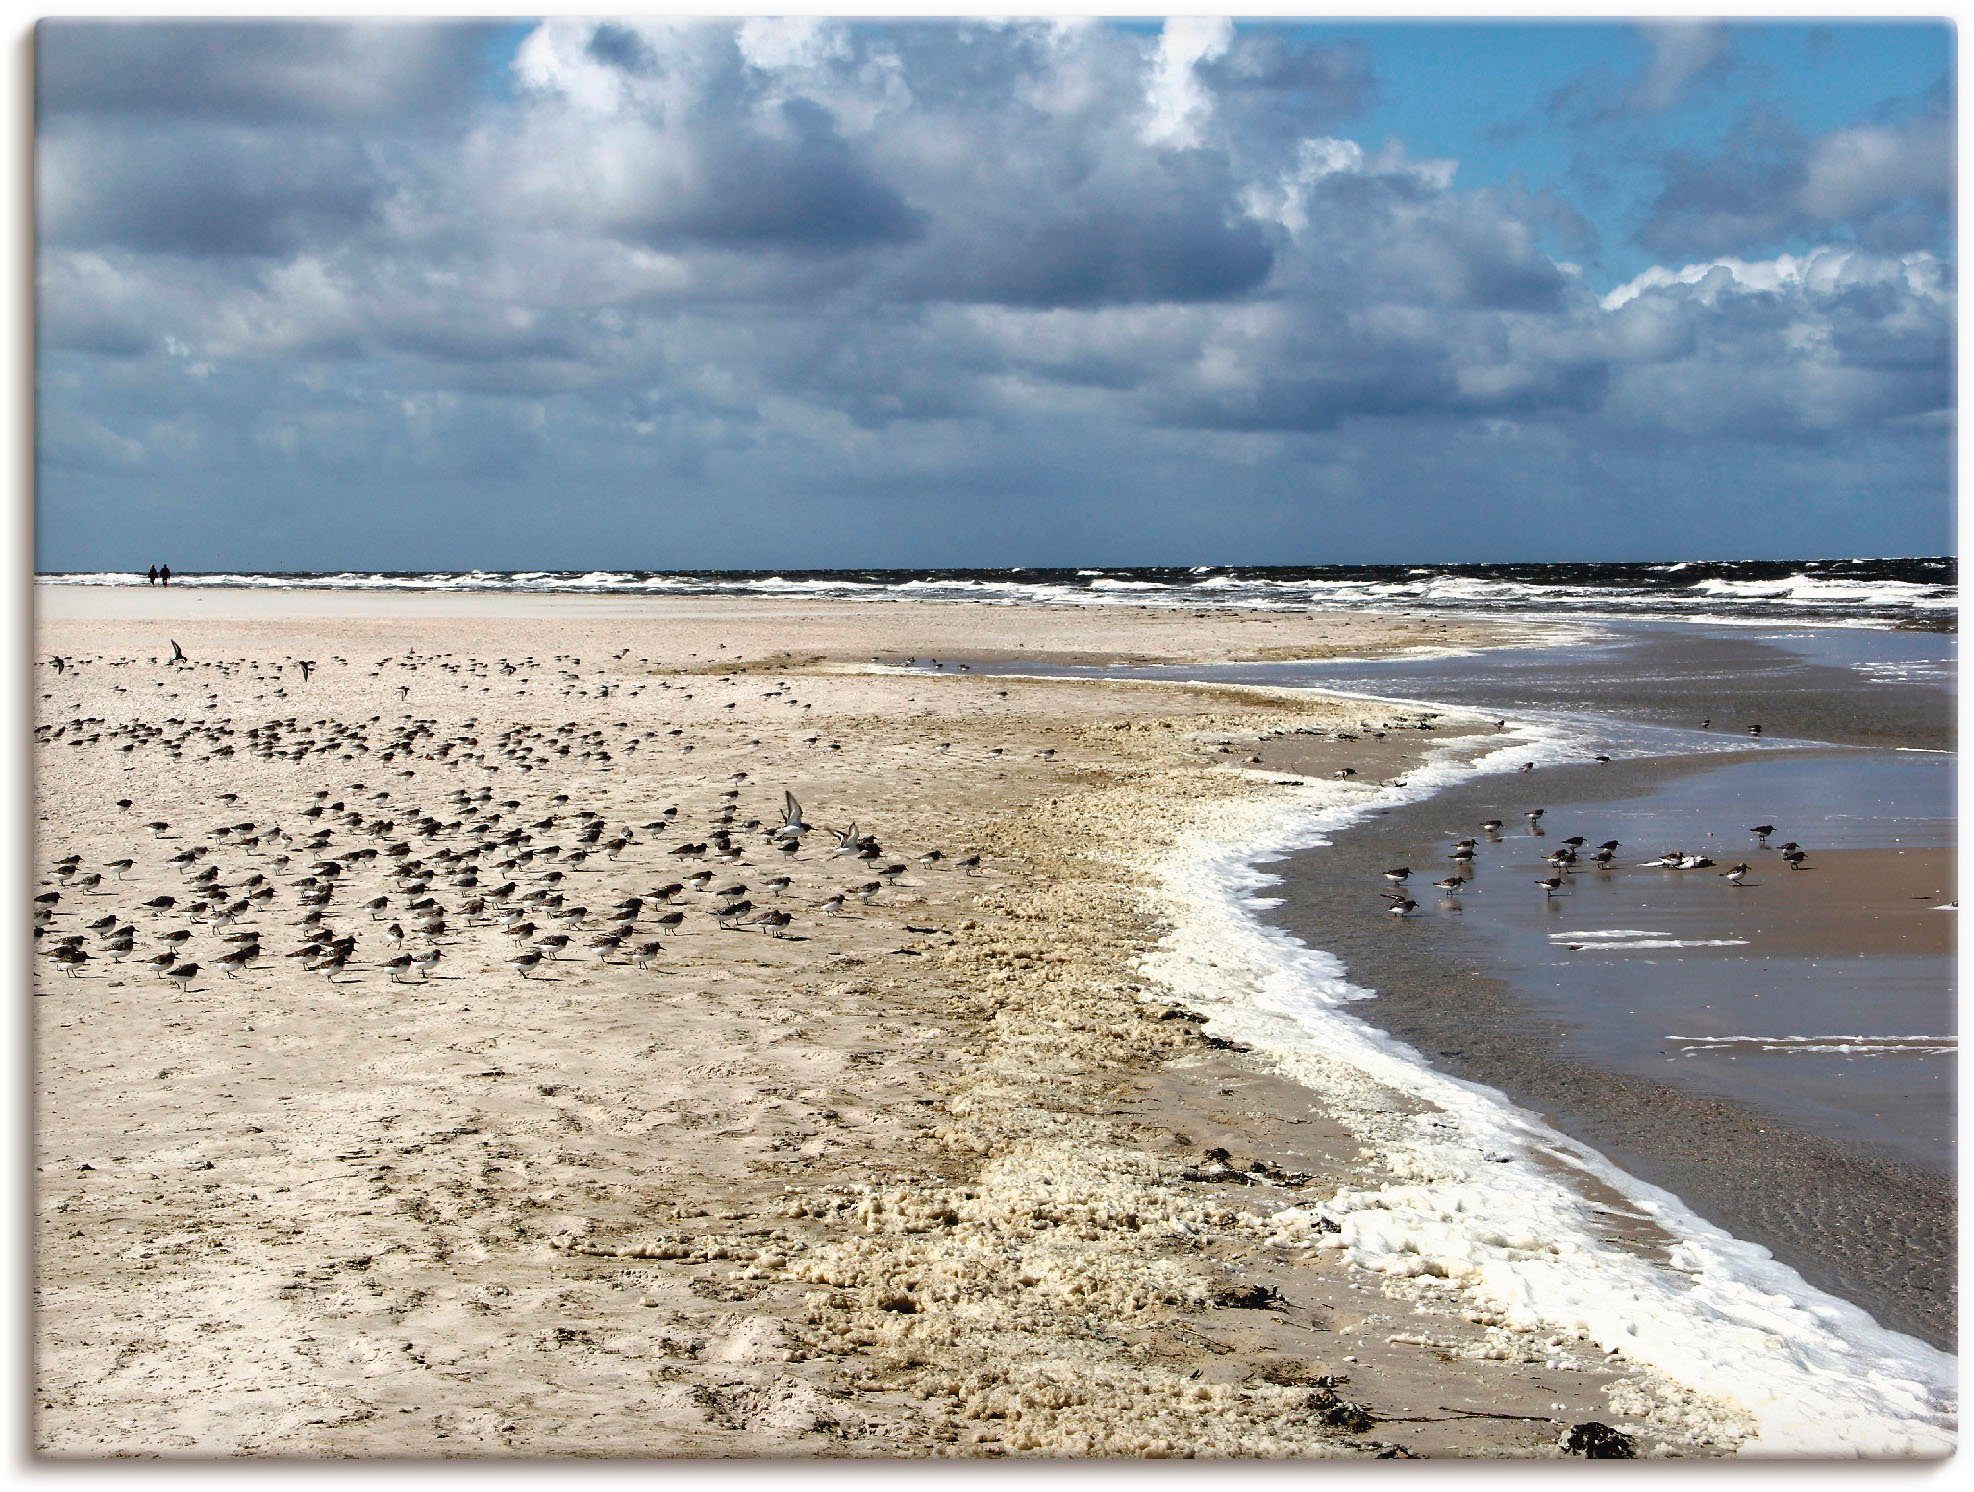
(1856, 1218)
(941, 1176)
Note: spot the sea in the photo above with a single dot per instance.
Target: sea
(1759, 1077)
(1895, 592)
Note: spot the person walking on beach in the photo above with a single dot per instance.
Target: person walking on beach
(164, 575)
(151, 576)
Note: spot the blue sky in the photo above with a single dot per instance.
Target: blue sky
(799, 293)
(1483, 95)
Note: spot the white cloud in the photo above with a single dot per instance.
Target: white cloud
(1852, 171)
(1177, 105)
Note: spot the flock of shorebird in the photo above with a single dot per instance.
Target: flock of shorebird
(367, 877)
(1572, 855)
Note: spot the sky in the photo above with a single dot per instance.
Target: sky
(798, 293)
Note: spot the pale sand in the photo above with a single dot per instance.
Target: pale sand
(929, 1179)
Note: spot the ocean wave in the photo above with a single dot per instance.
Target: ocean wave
(1817, 588)
(1844, 593)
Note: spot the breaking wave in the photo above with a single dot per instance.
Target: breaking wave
(1858, 592)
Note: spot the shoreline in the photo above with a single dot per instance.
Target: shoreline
(1423, 1226)
(1051, 1130)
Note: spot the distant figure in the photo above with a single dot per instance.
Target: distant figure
(164, 575)
(151, 575)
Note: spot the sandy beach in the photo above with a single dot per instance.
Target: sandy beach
(948, 1172)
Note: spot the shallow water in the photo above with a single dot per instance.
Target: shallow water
(1837, 1155)
(1790, 1071)
(1849, 686)
(1832, 1021)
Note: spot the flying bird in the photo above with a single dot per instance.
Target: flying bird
(792, 826)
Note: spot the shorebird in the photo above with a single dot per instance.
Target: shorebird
(1404, 906)
(1734, 875)
(232, 963)
(1551, 885)
(1795, 858)
(1399, 876)
(1761, 832)
(1452, 885)
(1490, 826)
(792, 826)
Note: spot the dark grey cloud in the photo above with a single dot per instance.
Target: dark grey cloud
(205, 190)
(1275, 82)
(1112, 252)
(799, 189)
(259, 71)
